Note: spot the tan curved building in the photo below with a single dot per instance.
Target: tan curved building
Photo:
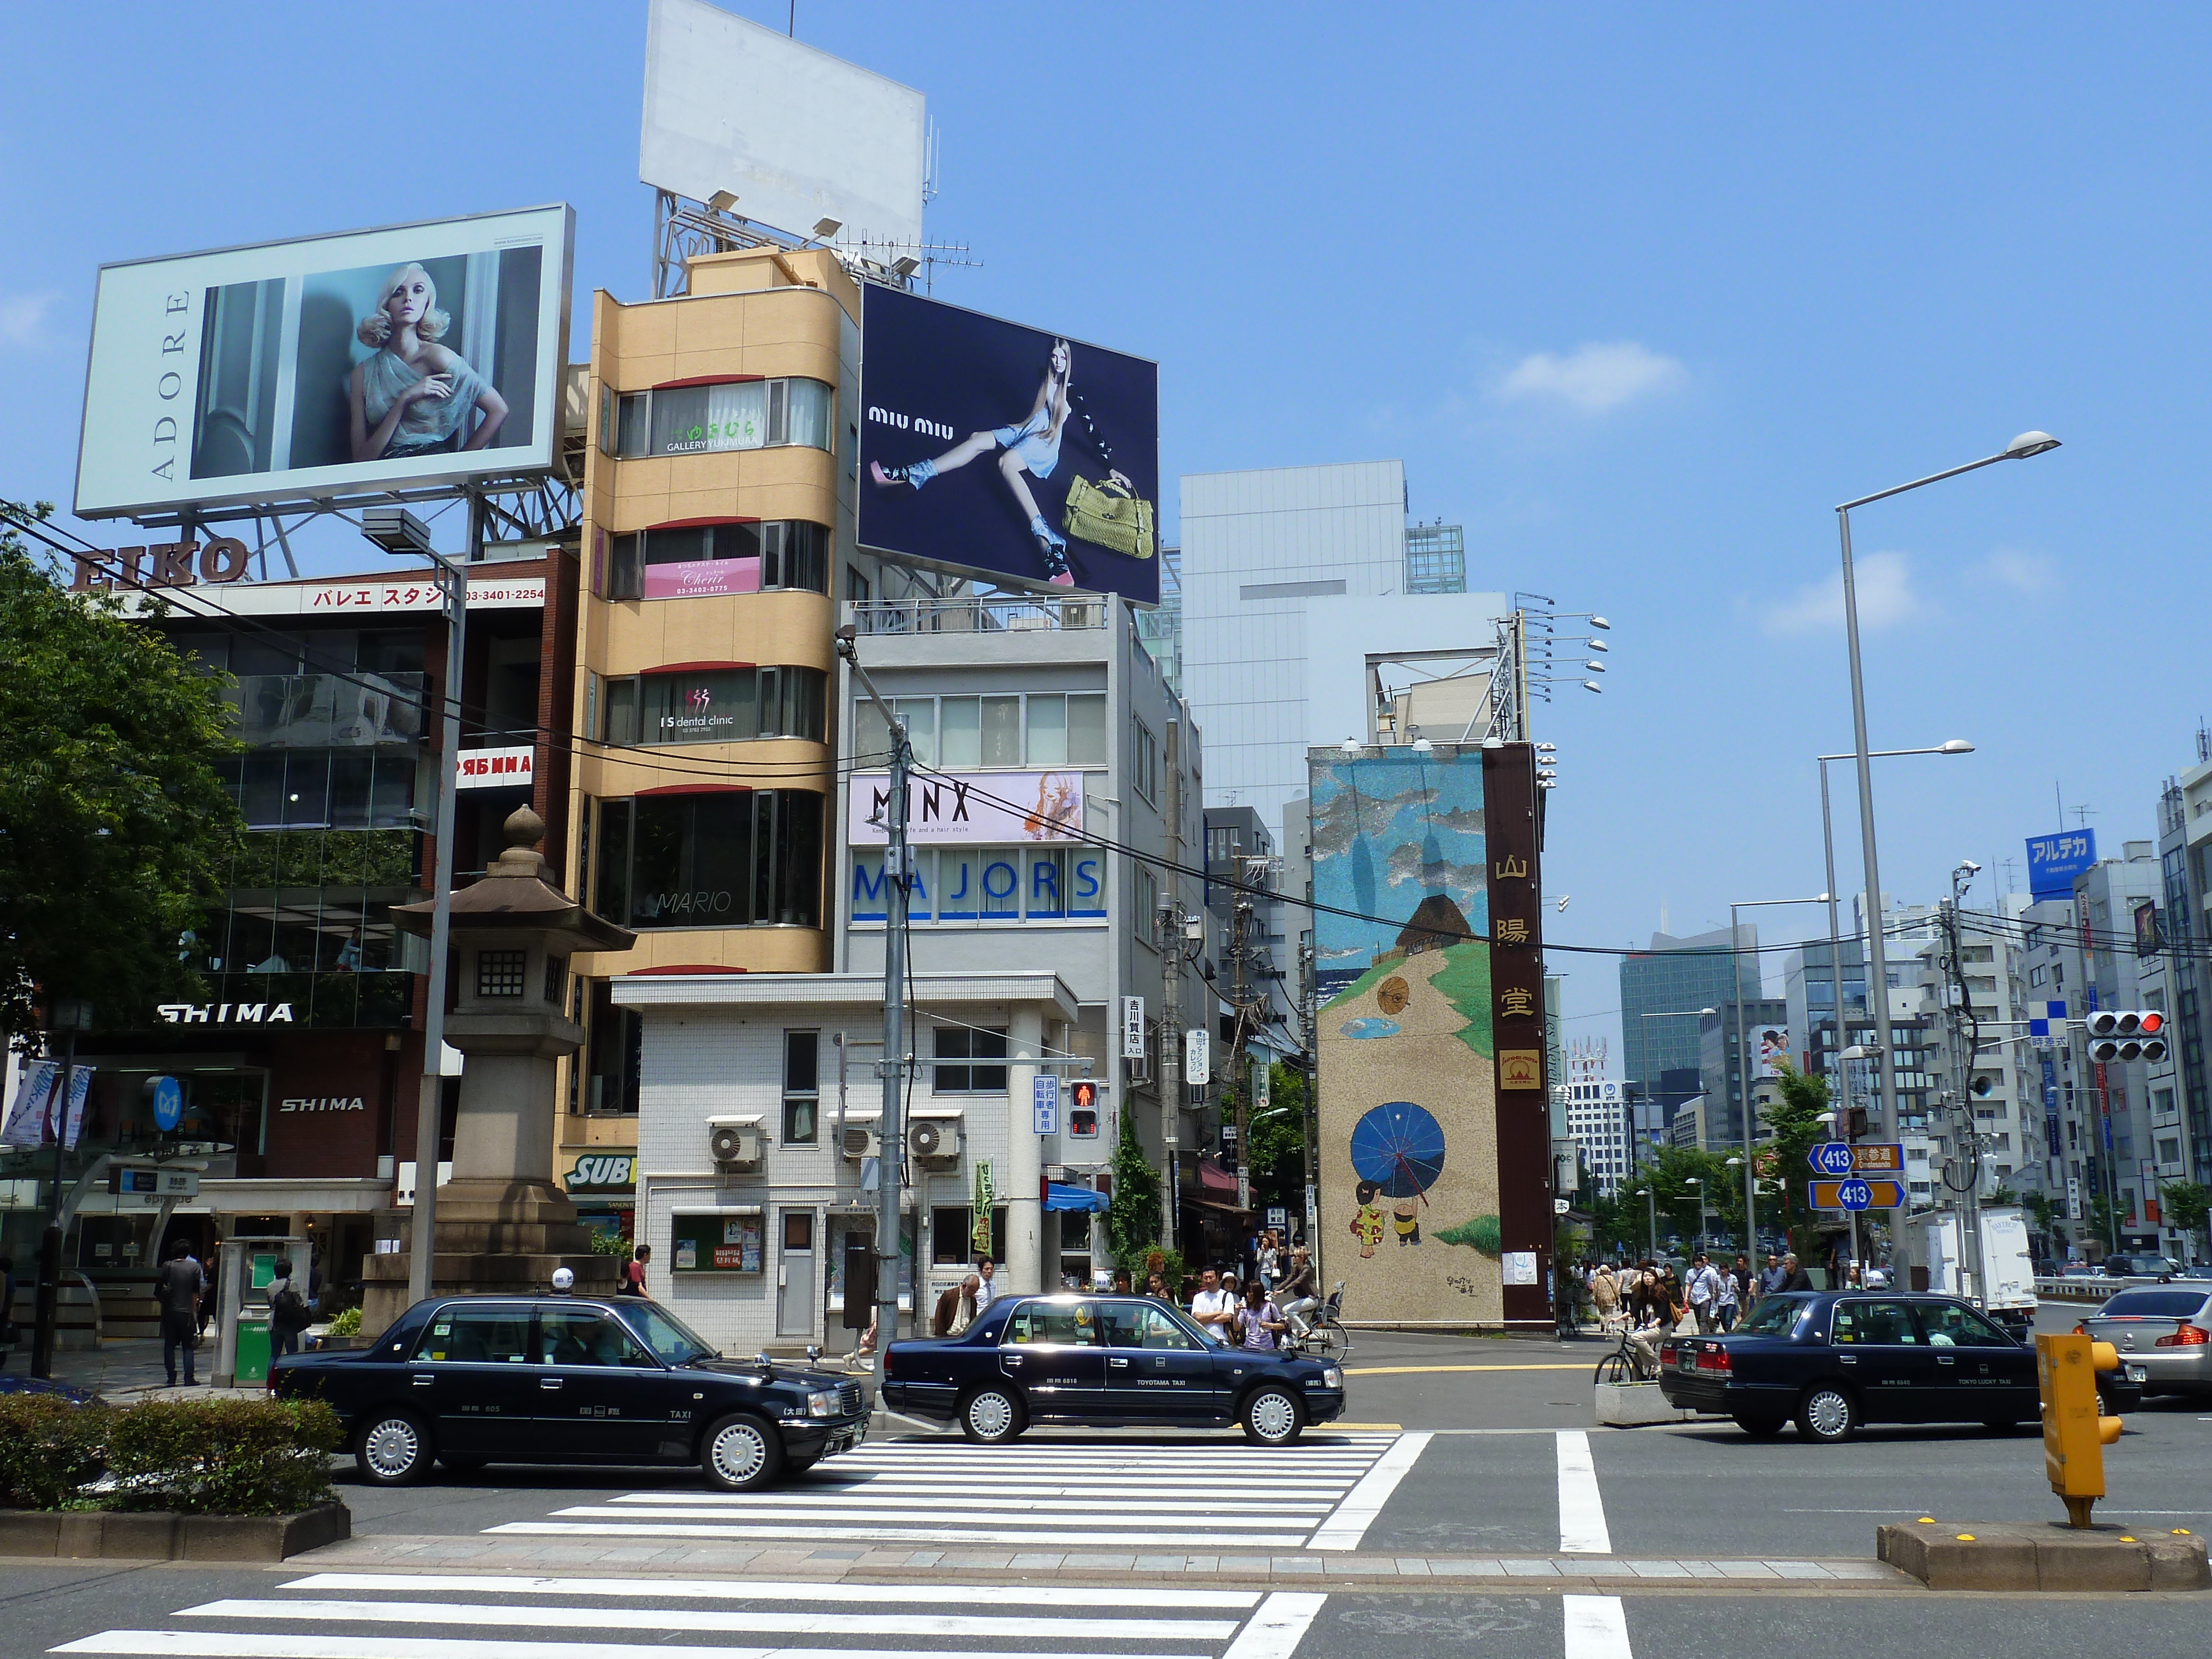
(717, 542)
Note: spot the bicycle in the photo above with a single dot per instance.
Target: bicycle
(1324, 1337)
(1626, 1363)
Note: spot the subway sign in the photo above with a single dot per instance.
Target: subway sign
(603, 1172)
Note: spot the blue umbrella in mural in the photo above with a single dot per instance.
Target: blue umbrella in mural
(1399, 1147)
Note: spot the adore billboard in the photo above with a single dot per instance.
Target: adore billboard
(991, 448)
(415, 356)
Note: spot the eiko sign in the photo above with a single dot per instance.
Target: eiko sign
(955, 807)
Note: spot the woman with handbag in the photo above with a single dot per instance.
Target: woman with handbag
(1032, 447)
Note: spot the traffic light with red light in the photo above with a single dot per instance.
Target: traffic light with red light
(2127, 1034)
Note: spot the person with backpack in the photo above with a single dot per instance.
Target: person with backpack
(288, 1313)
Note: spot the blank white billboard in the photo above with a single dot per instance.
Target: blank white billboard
(796, 135)
(416, 355)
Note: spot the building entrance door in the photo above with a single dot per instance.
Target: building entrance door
(795, 1276)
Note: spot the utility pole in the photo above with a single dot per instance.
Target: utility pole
(70, 1017)
(1965, 1035)
(1169, 923)
(898, 868)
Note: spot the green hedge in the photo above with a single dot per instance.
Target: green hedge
(195, 1457)
(49, 1448)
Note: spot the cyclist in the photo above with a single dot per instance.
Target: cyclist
(1295, 1295)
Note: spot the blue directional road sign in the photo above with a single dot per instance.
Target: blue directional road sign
(1830, 1157)
(1857, 1194)
(1854, 1195)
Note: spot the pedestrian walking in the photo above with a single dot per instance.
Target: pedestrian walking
(1259, 1323)
(1605, 1296)
(1704, 1292)
(956, 1309)
(1214, 1308)
(1270, 1258)
(1746, 1283)
(1795, 1277)
(1776, 1275)
(177, 1287)
(1725, 1307)
(985, 1267)
(288, 1313)
(633, 1272)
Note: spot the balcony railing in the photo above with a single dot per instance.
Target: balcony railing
(976, 614)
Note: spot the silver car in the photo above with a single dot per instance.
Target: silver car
(2163, 1334)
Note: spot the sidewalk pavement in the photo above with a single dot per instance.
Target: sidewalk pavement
(1305, 1569)
(124, 1369)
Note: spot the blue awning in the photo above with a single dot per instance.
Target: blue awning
(1059, 1195)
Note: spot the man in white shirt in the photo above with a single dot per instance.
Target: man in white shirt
(984, 1268)
(1704, 1292)
(1214, 1308)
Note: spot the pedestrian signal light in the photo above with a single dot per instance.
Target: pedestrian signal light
(2127, 1034)
(2075, 1430)
(1855, 1123)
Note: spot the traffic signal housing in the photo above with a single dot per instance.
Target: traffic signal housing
(2127, 1034)
(2075, 1431)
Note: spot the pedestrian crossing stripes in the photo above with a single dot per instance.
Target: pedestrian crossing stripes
(1043, 1494)
(339, 1615)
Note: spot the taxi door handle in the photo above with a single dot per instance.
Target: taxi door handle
(1122, 1364)
(1011, 1360)
(549, 1381)
(1947, 1360)
(422, 1381)
(1847, 1359)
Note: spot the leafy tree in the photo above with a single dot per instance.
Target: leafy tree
(2001, 1195)
(1677, 1177)
(1277, 1157)
(2104, 1217)
(1133, 1214)
(2041, 1212)
(2188, 1206)
(115, 832)
(1793, 1125)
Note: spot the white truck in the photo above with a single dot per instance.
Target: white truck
(2007, 1288)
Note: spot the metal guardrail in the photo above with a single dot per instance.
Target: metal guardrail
(2083, 1287)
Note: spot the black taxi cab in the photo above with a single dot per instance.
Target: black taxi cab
(1832, 1361)
(1105, 1361)
(471, 1380)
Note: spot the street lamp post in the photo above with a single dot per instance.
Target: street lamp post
(2028, 444)
(1743, 1059)
(1952, 746)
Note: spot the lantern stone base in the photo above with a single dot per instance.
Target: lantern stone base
(494, 1237)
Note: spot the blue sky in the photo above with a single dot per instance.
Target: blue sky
(1638, 294)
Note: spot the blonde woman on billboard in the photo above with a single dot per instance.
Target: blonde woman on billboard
(1031, 447)
(414, 397)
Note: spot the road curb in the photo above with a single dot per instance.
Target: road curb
(2012, 1555)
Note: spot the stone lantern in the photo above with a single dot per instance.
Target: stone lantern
(503, 1225)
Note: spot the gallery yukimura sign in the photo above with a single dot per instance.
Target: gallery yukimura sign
(1435, 1200)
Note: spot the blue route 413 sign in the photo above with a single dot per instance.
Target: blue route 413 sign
(1830, 1157)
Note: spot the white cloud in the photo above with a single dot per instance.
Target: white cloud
(1592, 378)
(2024, 572)
(1886, 598)
(23, 318)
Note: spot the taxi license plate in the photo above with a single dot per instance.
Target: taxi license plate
(2137, 1373)
(1687, 1361)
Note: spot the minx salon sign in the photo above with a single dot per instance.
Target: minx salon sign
(225, 1013)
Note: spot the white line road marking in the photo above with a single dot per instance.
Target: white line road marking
(725, 1621)
(1597, 1628)
(220, 1644)
(870, 1502)
(1146, 1516)
(1345, 1529)
(1276, 1630)
(1581, 1508)
(905, 1535)
(731, 1589)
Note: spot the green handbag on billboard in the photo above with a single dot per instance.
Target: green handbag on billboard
(1110, 515)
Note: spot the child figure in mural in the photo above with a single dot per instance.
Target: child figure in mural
(1406, 1220)
(1367, 1224)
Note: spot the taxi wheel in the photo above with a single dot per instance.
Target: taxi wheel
(741, 1453)
(1762, 1428)
(393, 1449)
(1272, 1417)
(992, 1416)
(1828, 1414)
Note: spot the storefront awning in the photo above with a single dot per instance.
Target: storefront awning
(1059, 1195)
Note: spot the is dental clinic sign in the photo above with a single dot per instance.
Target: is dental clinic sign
(496, 768)
(980, 808)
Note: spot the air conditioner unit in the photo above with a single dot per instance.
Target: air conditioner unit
(862, 1141)
(733, 1142)
(934, 1140)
